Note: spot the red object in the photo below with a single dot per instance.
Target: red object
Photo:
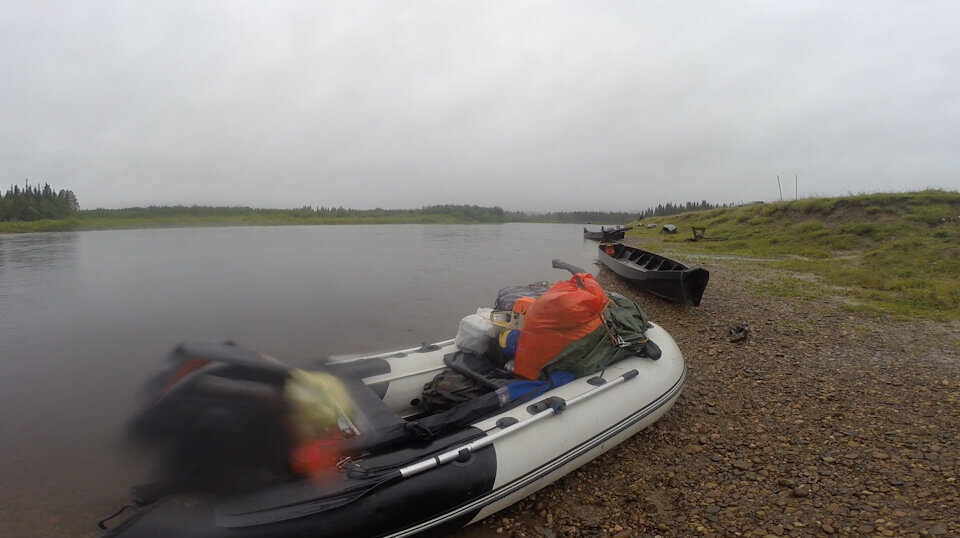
(522, 304)
(610, 250)
(315, 457)
(562, 315)
(188, 367)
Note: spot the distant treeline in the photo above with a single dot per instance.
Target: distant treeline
(36, 203)
(614, 217)
(31, 203)
(578, 217)
(676, 209)
(433, 213)
(455, 213)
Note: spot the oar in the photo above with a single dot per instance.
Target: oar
(574, 270)
(560, 264)
(309, 507)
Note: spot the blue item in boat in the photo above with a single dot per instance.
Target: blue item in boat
(532, 389)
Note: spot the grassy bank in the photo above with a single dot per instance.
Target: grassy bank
(189, 221)
(192, 216)
(896, 253)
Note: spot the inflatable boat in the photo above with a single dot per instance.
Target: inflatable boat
(395, 469)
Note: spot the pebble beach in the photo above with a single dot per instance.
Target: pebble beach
(822, 421)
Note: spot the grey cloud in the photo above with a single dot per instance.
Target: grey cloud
(526, 105)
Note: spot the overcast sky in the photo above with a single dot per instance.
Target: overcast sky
(547, 105)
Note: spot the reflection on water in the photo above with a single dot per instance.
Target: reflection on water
(37, 250)
(29, 262)
(85, 317)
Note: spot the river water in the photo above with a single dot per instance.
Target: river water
(85, 317)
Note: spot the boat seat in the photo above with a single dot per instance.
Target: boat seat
(370, 413)
(381, 429)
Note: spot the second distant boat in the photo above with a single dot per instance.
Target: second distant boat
(606, 234)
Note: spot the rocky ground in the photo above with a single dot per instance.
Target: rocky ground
(820, 422)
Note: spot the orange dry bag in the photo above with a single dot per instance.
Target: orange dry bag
(562, 315)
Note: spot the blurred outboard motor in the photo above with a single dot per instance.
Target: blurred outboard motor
(217, 416)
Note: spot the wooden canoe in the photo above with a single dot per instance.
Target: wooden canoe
(606, 234)
(656, 274)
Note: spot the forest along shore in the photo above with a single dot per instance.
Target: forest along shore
(821, 422)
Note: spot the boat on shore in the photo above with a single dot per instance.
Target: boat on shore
(606, 234)
(397, 469)
(656, 274)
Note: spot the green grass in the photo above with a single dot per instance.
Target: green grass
(63, 225)
(86, 222)
(790, 287)
(167, 216)
(894, 253)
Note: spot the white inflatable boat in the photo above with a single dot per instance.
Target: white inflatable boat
(400, 471)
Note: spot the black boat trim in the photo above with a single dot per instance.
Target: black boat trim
(532, 476)
(613, 234)
(360, 369)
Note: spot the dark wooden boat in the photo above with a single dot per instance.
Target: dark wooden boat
(606, 234)
(656, 274)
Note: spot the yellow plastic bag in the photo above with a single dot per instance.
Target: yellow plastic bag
(317, 402)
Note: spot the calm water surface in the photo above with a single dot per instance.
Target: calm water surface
(86, 317)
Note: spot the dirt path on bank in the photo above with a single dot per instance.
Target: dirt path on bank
(821, 422)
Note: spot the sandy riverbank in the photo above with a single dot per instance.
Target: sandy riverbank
(821, 422)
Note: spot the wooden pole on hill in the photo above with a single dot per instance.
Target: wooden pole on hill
(779, 188)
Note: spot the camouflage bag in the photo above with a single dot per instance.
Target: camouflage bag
(449, 389)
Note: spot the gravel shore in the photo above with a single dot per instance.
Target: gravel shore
(820, 422)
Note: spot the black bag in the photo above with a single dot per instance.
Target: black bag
(507, 296)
